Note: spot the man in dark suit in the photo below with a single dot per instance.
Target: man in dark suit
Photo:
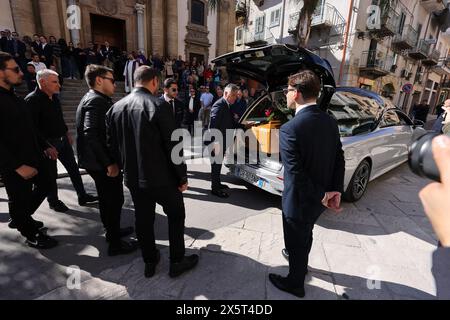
(46, 52)
(313, 160)
(95, 156)
(171, 97)
(140, 127)
(192, 109)
(222, 120)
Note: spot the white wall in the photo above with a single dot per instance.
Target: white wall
(6, 20)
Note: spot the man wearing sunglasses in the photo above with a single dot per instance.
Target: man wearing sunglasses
(95, 156)
(171, 97)
(22, 162)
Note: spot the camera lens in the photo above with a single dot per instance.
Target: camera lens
(421, 160)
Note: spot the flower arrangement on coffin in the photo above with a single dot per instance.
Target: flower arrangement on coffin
(273, 114)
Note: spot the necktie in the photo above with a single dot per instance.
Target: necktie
(172, 102)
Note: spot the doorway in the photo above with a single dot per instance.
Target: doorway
(108, 29)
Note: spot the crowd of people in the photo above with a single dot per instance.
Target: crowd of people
(69, 59)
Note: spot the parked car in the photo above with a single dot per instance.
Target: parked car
(375, 134)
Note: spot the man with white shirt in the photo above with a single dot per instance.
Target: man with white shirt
(314, 165)
(36, 62)
(170, 96)
(206, 101)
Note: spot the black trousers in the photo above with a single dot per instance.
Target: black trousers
(216, 168)
(171, 199)
(67, 158)
(298, 239)
(110, 200)
(26, 196)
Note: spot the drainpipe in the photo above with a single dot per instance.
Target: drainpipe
(347, 31)
(282, 22)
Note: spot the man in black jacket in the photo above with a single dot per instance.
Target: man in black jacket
(95, 157)
(140, 127)
(313, 160)
(171, 97)
(49, 122)
(45, 51)
(193, 106)
(22, 160)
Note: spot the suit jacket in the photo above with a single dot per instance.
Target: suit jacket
(441, 272)
(92, 149)
(47, 52)
(180, 107)
(189, 117)
(140, 127)
(222, 118)
(19, 48)
(313, 160)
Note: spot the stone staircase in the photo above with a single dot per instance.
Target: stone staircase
(71, 93)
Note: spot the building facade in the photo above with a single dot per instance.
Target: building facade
(396, 48)
(164, 27)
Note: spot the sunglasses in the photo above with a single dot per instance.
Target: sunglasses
(110, 79)
(174, 90)
(286, 91)
(16, 69)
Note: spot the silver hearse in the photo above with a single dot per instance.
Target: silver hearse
(375, 134)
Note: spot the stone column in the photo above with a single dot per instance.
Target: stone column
(157, 26)
(140, 9)
(74, 22)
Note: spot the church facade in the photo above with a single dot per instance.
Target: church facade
(165, 27)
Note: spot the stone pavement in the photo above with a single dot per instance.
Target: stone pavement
(378, 248)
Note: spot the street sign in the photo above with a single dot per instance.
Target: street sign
(407, 88)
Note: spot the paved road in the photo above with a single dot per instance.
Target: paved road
(385, 236)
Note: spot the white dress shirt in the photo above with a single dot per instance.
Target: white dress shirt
(303, 106)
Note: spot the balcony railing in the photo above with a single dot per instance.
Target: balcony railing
(374, 64)
(389, 22)
(433, 5)
(406, 40)
(432, 59)
(326, 15)
(443, 66)
(256, 39)
(421, 51)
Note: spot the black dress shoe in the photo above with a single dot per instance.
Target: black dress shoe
(178, 268)
(13, 225)
(220, 193)
(58, 206)
(224, 187)
(282, 283)
(150, 267)
(87, 199)
(122, 247)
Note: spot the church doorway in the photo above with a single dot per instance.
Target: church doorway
(108, 29)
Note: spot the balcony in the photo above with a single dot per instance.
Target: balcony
(326, 16)
(374, 64)
(389, 23)
(255, 39)
(432, 59)
(433, 5)
(406, 40)
(293, 21)
(421, 51)
(443, 67)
